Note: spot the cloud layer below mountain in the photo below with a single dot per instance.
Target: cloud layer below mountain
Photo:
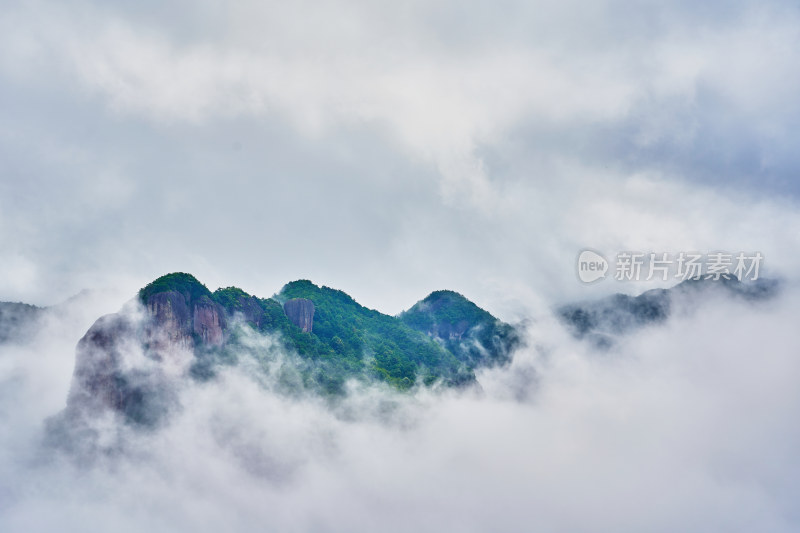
(689, 426)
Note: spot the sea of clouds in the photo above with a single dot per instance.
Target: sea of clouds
(685, 426)
(390, 149)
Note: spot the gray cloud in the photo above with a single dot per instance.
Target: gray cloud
(372, 147)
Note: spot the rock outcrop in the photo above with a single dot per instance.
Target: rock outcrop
(176, 321)
(301, 313)
(125, 358)
(206, 323)
(251, 310)
(169, 321)
(98, 361)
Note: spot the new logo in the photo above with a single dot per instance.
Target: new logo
(591, 266)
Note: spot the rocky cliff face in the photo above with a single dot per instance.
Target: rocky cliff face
(252, 312)
(169, 324)
(124, 358)
(98, 363)
(452, 331)
(206, 323)
(300, 312)
(175, 322)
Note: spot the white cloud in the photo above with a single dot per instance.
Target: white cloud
(686, 426)
(332, 65)
(18, 275)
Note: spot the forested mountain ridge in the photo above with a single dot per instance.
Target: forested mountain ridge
(330, 336)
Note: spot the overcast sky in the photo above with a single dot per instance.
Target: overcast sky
(391, 148)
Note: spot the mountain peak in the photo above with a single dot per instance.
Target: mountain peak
(464, 328)
(445, 295)
(180, 282)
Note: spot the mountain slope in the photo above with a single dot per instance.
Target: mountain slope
(472, 334)
(384, 345)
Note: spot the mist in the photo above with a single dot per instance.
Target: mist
(688, 425)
